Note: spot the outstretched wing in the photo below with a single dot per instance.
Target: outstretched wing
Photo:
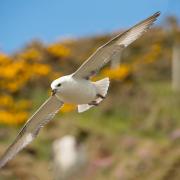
(105, 53)
(31, 129)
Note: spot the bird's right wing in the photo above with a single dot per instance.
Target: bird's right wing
(32, 127)
(105, 53)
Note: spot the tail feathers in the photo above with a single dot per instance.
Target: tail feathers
(83, 107)
(102, 86)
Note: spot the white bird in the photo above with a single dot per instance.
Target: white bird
(77, 88)
(69, 156)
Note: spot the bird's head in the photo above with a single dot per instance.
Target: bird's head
(57, 84)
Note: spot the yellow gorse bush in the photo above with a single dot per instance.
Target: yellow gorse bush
(119, 73)
(41, 69)
(153, 54)
(30, 54)
(17, 73)
(6, 100)
(12, 118)
(13, 111)
(4, 58)
(58, 50)
(68, 108)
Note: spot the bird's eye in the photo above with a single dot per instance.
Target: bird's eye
(59, 85)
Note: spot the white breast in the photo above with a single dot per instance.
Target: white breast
(77, 91)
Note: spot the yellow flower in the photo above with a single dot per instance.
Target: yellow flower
(41, 69)
(30, 54)
(58, 50)
(6, 100)
(68, 108)
(4, 58)
(118, 73)
(12, 118)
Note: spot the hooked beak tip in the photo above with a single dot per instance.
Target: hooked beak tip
(53, 92)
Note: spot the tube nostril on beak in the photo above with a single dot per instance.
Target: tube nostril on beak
(53, 92)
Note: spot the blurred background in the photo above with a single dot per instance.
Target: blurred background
(134, 133)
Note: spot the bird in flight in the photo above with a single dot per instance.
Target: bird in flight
(77, 88)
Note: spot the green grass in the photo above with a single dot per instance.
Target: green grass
(147, 117)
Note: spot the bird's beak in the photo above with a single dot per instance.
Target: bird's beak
(53, 92)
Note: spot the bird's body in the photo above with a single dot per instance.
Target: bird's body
(77, 91)
(76, 88)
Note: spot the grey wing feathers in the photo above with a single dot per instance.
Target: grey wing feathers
(30, 130)
(105, 53)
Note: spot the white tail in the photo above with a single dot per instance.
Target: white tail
(102, 88)
(83, 107)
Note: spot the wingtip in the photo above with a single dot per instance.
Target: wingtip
(158, 13)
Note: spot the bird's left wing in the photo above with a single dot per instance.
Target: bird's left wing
(31, 129)
(105, 53)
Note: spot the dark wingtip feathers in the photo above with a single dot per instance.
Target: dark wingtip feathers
(155, 15)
